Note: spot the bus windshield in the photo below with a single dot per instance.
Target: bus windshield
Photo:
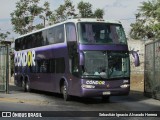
(101, 33)
(102, 64)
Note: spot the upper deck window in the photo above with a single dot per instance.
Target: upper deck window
(55, 35)
(101, 33)
(71, 32)
(49, 36)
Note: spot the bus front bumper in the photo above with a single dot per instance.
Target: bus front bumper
(105, 92)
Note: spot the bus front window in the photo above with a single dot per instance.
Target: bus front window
(101, 33)
(118, 64)
(102, 64)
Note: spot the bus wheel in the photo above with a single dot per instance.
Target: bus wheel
(26, 86)
(105, 98)
(64, 91)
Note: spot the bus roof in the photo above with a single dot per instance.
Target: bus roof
(74, 21)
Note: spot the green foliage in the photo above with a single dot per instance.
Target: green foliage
(47, 13)
(63, 12)
(26, 12)
(147, 23)
(85, 9)
(99, 13)
(3, 36)
(39, 26)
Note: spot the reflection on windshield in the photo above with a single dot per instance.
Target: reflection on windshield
(102, 64)
(101, 33)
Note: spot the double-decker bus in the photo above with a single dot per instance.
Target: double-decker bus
(78, 57)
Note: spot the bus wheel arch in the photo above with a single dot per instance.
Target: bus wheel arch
(64, 89)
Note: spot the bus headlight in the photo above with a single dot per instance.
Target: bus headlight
(125, 86)
(88, 86)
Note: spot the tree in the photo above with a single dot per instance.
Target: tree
(99, 13)
(85, 10)
(47, 14)
(26, 12)
(3, 36)
(147, 23)
(63, 12)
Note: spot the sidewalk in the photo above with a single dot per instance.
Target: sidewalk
(17, 95)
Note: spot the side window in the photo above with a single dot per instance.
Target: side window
(42, 66)
(17, 44)
(34, 68)
(38, 65)
(60, 65)
(70, 32)
(55, 35)
(59, 34)
(22, 43)
(39, 39)
(44, 38)
(46, 66)
(34, 42)
(50, 36)
(49, 66)
(28, 42)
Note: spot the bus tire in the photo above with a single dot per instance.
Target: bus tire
(64, 91)
(26, 86)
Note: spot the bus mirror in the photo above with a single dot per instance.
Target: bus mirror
(136, 58)
(81, 62)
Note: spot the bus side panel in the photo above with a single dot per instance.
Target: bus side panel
(50, 81)
(61, 67)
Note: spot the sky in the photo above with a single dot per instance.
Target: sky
(122, 10)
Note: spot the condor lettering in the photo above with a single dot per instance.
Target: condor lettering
(92, 82)
(26, 58)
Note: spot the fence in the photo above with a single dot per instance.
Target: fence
(152, 70)
(4, 68)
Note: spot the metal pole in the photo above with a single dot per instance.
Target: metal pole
(7, 70)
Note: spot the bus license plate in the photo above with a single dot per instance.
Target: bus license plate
(107, 93)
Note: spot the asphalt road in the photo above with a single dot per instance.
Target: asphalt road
(18, 100)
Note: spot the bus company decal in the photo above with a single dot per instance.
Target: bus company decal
(25, 58)
(94, 82)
